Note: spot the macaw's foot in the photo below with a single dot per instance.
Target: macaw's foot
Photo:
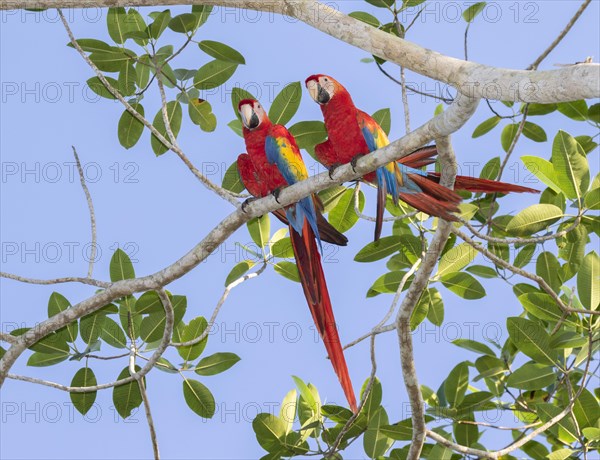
(355, 160)
(332, 169)
(247, 202)
(276, 193)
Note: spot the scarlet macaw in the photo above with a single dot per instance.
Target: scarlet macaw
(352, 133)
(273, 160)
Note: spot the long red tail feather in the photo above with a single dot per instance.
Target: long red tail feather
(313, 283)
(328, 232)
(474, 184)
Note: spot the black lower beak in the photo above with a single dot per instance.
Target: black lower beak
(253, 122)
(323, 96)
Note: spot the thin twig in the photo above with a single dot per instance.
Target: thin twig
(412, 88)
(68, 279)
(88, 198)
(373, 219)
(534, 65)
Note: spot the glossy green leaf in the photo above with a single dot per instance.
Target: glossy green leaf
(508, 135)
(53, 344)
(191, 331)
(575, 110)
(548, 267)
(260, 230)
(184, 23)
(455, 385)
(127, 79)
(456, 259)
(270, 431)
(202, 13)
(283, 249)
(112, 333)
(543, 170)
(130, 129)
(380, 249)
(161, 21)
(57, 303)
(474, 346)
(531, 339)
(466, 434)
(588, 281)
(174, 117)
(238, 271)
(199, 398)
(540, 109)
(98, 87)
(121, 267)
(221, 52)
(486, 126)
(83, 402)
(43, 359)
(308, 133)
(570, 164)
(286, 103)
(232, 180)
(375, 442)
(90, 327)
(383, 118)
(491, 169)
(214, 74)
(471, 12)
(532, 376)
(435, 313)
(534, 132)
(216, 363)
(201, 114)
(91, 45)
(116, 20)
(136, 27)
(463, 285)
(127, 397)
(592, 199)
(109, 61)
(482, 271)
(365, 17)
(288, 270)
(533, 219)
(343, 216)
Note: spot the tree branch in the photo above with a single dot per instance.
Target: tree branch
(570, 83)
(88, 198)
(68, 279)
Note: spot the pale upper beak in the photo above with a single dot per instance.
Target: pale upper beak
(249, 117)
(318, 92)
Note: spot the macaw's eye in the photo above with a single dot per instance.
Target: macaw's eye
(326, 79)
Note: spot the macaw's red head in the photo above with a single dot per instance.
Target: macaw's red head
(323, 88)
(252, 112)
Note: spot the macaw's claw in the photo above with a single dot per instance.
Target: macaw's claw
(276, 193)
(333, 168)
(247, 202)
(355, 160)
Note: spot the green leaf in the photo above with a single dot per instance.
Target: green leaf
(373, 402)
(214, 74)
(375, 442)
(540, 109)
(474, 346)
(570, 164)
(308, 133)
(588, 281)
(221, 52)
(201, 114)
(383, 118)
(98, 87)
(343, 216)
(365, 17)
(130, 129)
(287, 412)
(543, 170)
(471, 12)
(565, 428)
(531, 339)
(286, 103)
(435, 313)
(389, 283)
(116, 20)
(127, 79)
(127, 397)
(43, 359)
(592, 199)
(152, 327)
(482, 271)
(112, 333)
(508, 135)
(83, 402)
(260, 230)
(594, 113)
(456, 259)
(121, 267)
(217, 363)
(148, 302)
(90, 327)
(199, 398)
(575, 110)
(174, 116)
(547, 266)
(491, 169)
(586, 409)
(533, 219)
(136, 26)
(269, 430)
(238, 271)
(283, 249)
(91, 45)
(232, 180)
(455, 385)
(466, 434)
(288, 270)
(184, 23)
(541, 305)
(532, 376)
(193, 330)
(381, 3)
(109, 61)
(463, 285)
(380, 249)
(161, 21)
(56, 304)
(486, 126)
(202, 12)
(534, 132)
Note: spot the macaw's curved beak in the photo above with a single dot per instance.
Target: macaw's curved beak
(249, 117)
(318, 93)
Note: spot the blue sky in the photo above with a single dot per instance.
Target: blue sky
(156, 210)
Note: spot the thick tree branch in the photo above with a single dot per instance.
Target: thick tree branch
(570, 83)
